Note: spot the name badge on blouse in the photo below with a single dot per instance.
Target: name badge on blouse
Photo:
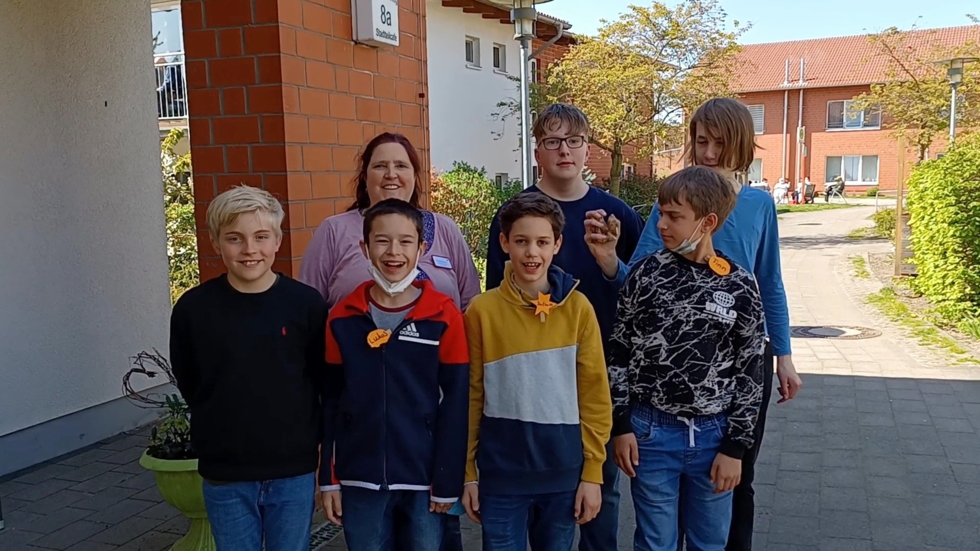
(442, 262)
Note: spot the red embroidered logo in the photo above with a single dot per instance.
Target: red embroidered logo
(283, 330)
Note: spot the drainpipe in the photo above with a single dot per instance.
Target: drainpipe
(799, 125)
(782, 173)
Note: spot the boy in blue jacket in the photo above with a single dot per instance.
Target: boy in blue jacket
(396, 420)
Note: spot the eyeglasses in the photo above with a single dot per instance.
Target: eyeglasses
(573, 142)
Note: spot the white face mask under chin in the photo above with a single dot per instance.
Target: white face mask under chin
(688, 245)
(393, 289)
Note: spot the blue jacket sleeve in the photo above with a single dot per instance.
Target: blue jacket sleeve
(650, 241)
(769, 275)
(629, 237)
(452, 424)
(496, 259)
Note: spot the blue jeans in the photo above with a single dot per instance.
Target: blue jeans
(600, 534)
(369, 520)
(452, 536)
(675, 455)
(509, 521)
(279, 511)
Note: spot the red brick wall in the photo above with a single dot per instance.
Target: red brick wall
(821, 143)
(281, 98)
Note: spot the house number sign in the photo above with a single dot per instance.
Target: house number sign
(375, 22)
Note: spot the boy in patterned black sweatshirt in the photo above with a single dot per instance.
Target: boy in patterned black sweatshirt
(686, 364)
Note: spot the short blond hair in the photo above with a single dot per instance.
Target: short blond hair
(729, 120)
(551, 119)
(228, 206)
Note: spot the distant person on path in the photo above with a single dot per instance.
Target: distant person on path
(836, 187)
(540, 407)
(334, 264)
(721, 137)
(686, 368)
(396, 417)
(561, 133)
(247, 350)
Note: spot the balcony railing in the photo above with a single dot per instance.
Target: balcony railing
(171, 86)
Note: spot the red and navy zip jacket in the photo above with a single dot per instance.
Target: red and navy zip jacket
(396, 413)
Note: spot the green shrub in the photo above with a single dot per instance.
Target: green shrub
(872, 191)
(944, 205)
(178, 202)
(884, 222)
(469, 197)
(639, 192)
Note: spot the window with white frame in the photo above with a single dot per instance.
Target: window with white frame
(758, 113)
(499, 57)
(855, 169)
(534, 70)
(755, 171)
(472, 48)
(628, 171)
(501, 179)
(846, 115)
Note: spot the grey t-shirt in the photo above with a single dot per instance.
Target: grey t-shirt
(388, 319)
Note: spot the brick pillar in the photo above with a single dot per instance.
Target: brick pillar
(281, 98)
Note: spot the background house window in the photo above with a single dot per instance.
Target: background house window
(844, 114)
(755, 171)
(534, 70)
(501, 179)
(855, 169)
(472, 51)
(628, 171)
(499, 57)
(758, 113)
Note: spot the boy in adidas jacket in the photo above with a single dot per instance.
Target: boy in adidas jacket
(540, 407)
(396, 349)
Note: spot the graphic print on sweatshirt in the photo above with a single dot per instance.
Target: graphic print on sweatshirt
(688, 342)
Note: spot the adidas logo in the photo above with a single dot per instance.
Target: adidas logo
(409, 331)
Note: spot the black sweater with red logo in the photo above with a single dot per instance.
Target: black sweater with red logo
(251, 368)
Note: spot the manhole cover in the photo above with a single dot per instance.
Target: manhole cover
(810, 224)
(833, 332)
(323, 534)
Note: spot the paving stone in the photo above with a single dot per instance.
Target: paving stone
(953, 425)
(44, 473)
(104, 498)
(912, 406)
(149, 494)
(92, 546)
(120, 511)
(14, 538)
(126, 531)
(928, 464)
(892, 509)
(125, 456)
(86, 472)
(161, 511)
(69, 535)
(35, 492)
(12, 487)
(98, 483)
(151, 541)
(56, 520)
(53, 502)
(845, 524)
(86, 457)
(843, 499)
(140, 482)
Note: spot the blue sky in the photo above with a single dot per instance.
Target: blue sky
(779, 20)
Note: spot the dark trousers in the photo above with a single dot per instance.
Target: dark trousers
(452, 537)
(743, 498)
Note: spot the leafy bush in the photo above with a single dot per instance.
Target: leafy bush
(872, 191)
(944, 205)
(469, 197)
(884, 222)
(640, 192)
(178, 200)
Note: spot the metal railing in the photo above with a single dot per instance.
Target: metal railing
(171, 86)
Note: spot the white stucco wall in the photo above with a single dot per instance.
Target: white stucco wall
(83, 268)
(462, 99)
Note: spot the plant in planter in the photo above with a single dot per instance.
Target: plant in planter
(170, 455)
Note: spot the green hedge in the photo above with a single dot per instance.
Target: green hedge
(944, 205)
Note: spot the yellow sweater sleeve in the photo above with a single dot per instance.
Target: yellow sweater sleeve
(474, 336)
(594, 399)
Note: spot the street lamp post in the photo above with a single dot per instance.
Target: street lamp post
(525, 17)
(955, 74)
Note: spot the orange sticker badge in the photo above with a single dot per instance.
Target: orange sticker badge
(378, 337)
(719, 265)
(543, 305)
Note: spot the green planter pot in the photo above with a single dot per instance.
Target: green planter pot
(182, 487)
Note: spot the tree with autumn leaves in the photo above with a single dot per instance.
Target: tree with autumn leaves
(642, 72)
(915, 95)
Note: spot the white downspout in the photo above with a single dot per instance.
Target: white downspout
(799, 125)
(782, 173)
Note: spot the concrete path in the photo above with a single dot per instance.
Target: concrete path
(881, 451)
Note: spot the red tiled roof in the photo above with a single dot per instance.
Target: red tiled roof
(838, 61)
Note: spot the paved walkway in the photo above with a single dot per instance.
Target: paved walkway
(880, 452)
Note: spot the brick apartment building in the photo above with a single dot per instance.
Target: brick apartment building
(837, 139)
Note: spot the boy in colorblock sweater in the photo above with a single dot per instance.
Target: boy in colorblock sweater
(540, 406)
